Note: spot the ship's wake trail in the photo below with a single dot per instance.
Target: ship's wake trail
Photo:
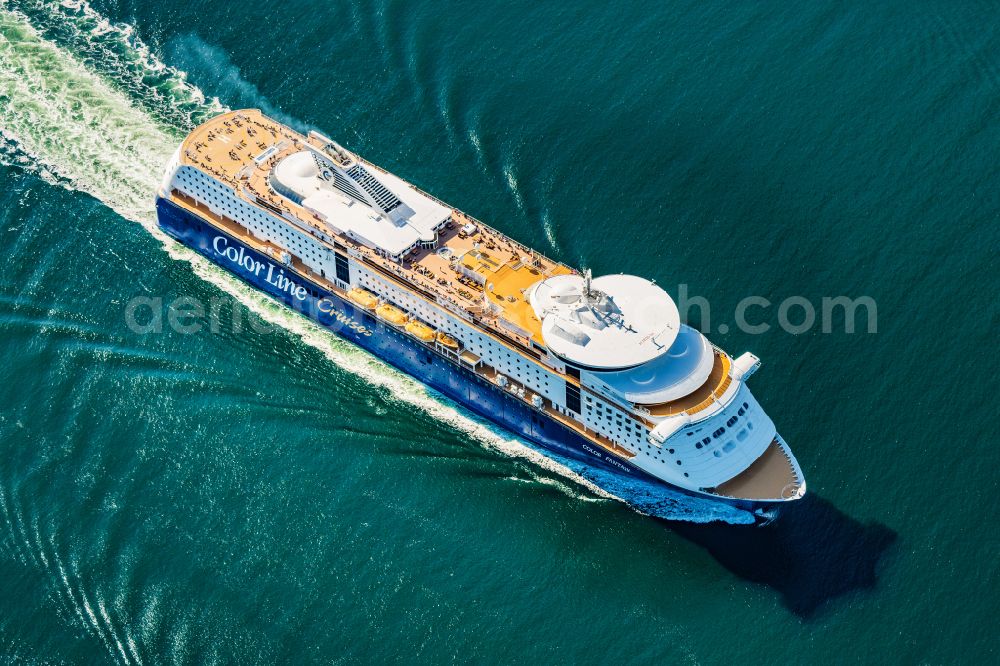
(96, 132)
(77, 125)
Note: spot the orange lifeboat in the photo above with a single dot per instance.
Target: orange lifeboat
(363, 297)
(420, 330)
(391, 314)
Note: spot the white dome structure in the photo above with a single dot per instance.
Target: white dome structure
(686, 366)
(610, 323)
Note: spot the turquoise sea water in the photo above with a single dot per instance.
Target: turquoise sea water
(264, 493)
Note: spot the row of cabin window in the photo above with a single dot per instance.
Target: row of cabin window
(609, 412)
(624, 432)
(731, 422)
(232, 207)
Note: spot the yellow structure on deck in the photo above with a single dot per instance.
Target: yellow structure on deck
(420, 330)
(391, 314)
(362, 297)
(447, 340)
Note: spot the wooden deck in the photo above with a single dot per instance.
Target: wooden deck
(504, 272)
(704, 396)
(770, 477)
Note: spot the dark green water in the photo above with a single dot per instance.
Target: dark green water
(258, 496)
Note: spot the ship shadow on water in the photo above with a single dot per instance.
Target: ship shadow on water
(810, 554)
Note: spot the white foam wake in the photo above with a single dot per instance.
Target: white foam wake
(75, 128)
(76, 125)
(115, 51)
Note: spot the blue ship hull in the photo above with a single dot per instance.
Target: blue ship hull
(395, 347)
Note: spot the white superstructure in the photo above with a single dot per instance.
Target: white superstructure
(606, 356)
(359, 204)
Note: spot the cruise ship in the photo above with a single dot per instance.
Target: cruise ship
(599, 368)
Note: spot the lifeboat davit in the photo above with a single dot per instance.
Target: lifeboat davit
(447, 340)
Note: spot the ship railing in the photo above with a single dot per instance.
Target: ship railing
(724, 386)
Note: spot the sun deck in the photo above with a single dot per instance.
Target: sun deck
(474, 267)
